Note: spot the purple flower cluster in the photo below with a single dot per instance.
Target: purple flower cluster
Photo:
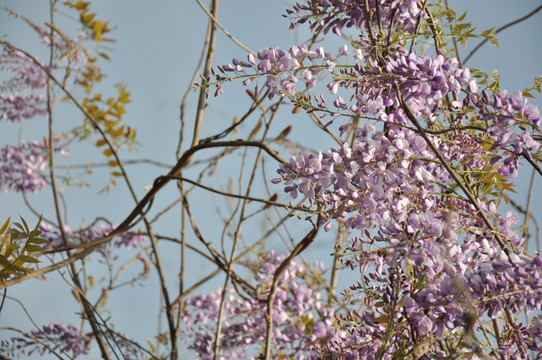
(381, 177)
(19, 107)
(431, 268)
(125, 240)
(22, 167)
(280, 68)
(301, 318)
(62, 338)
(508, 116)
(335, 15)
(26, 99)
(394, 183)
(26, 86)
(411, 306)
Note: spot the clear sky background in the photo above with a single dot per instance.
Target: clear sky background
(158, 44)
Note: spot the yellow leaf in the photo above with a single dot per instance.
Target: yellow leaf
(120, 110)
(100, 142)
(130, 133)
(151, 345)
(487, 32)
(87, 18)
(81, 5)
(117, 132)
(99, 27)
(103, 55)
(5, 226)
(124, 95)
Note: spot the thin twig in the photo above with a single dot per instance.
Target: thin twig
(528, 210)
(242, 197)
(212, 16)
(87, 248)
(504, 27)
(454, 38)
(50, 149)
(239, 225)
(240, 256)
(206, 71)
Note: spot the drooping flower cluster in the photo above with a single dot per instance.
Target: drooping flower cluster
(64, 340)
(394, 183)
(335, 15)
(508, 117)
(280, 68)
(26, 99)
(301, 317)
(61, 338)
(22, 167)
(433, 270)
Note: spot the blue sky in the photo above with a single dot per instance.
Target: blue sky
(156, 52)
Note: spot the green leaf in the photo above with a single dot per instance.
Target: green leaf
(36, 240)
(38, 224)
(34, 233)
(14, 232)
(28, 259)
(4, 261)
(410, 269)
(32, 248)
(19, 226)
(10, 267)
(26, 228)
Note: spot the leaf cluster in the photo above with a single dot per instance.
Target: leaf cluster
(95, 27)
(14, 255)
(460, 29)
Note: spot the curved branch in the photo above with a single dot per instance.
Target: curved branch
(300, 247)
(87, 248)
(504, 27)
